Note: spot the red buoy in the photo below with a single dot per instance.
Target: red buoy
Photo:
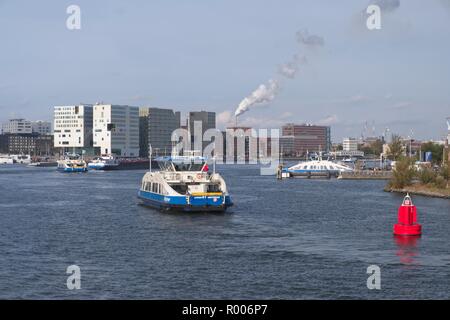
(407, 219)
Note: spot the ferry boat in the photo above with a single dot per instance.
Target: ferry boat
(72, 163)
(184, 183)
(6, 160)
(104, 163)
(315, 168)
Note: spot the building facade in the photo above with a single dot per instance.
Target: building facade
(206, 119)
(72, 127)
(116, 129)
(158, 124)
(299, 139)
(27, 143)
(16, 126)
(41, 127)
(350, 144)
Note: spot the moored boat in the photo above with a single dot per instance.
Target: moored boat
(104, 163)
(315, 168)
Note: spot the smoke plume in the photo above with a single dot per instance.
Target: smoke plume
(264, 93)
(267, 92)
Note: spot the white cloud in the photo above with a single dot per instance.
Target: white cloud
(329, 120)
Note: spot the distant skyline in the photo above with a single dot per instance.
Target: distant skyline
(210, 55)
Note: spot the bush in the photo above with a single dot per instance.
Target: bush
(426, 176)
(440, 182)
(445, 171)
(403, 174)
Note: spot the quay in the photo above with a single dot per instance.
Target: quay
(366, 175)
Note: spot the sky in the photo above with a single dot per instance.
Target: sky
(211, 54)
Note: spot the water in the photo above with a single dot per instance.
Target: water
(291, 239)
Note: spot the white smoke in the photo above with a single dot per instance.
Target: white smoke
(309, 39)
(267, 92)
(264, 93)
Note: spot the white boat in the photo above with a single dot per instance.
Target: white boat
(6, 160)
(319, 168)
(72, 163)
(22, 159)
(104, 163)
(184, 183)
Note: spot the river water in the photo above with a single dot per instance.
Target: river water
(291, 239)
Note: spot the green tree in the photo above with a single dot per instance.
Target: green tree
(435, 149)
(395, 148)
(403, 174)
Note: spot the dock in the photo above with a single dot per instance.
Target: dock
(366, 175)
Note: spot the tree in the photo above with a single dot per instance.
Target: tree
(435, 149)
(395, 148)
(403, 174)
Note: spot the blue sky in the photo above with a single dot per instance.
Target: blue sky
(192, 55)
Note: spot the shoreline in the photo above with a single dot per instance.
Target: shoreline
(421, 191)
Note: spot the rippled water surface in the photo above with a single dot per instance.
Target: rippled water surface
(291, 239)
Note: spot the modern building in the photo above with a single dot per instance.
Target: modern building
(350, 144)
(116, 129)
(15, 126)
(206, 119)
(41, 127)
(72, 128)
(297, 139)
(156, 126)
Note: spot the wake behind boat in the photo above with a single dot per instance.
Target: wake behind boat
(184, 184)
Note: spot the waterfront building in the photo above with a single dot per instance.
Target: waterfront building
(297, 139)
(26, 143)
(156, 126)
(15, 126)
(72, 128)
(350, 144)
(41, 127)
(207, 121)
(116, 129)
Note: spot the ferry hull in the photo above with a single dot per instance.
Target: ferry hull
(185, 203)
(71, 170)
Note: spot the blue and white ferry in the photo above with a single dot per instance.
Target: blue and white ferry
(184, 183)
(72, 163)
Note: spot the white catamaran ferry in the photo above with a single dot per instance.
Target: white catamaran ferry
(316, 168)
(184, 183)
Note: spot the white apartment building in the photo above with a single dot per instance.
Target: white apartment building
(41, 127)
(116, 129)
(15, 126)
(350, 144)
(72, 127)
